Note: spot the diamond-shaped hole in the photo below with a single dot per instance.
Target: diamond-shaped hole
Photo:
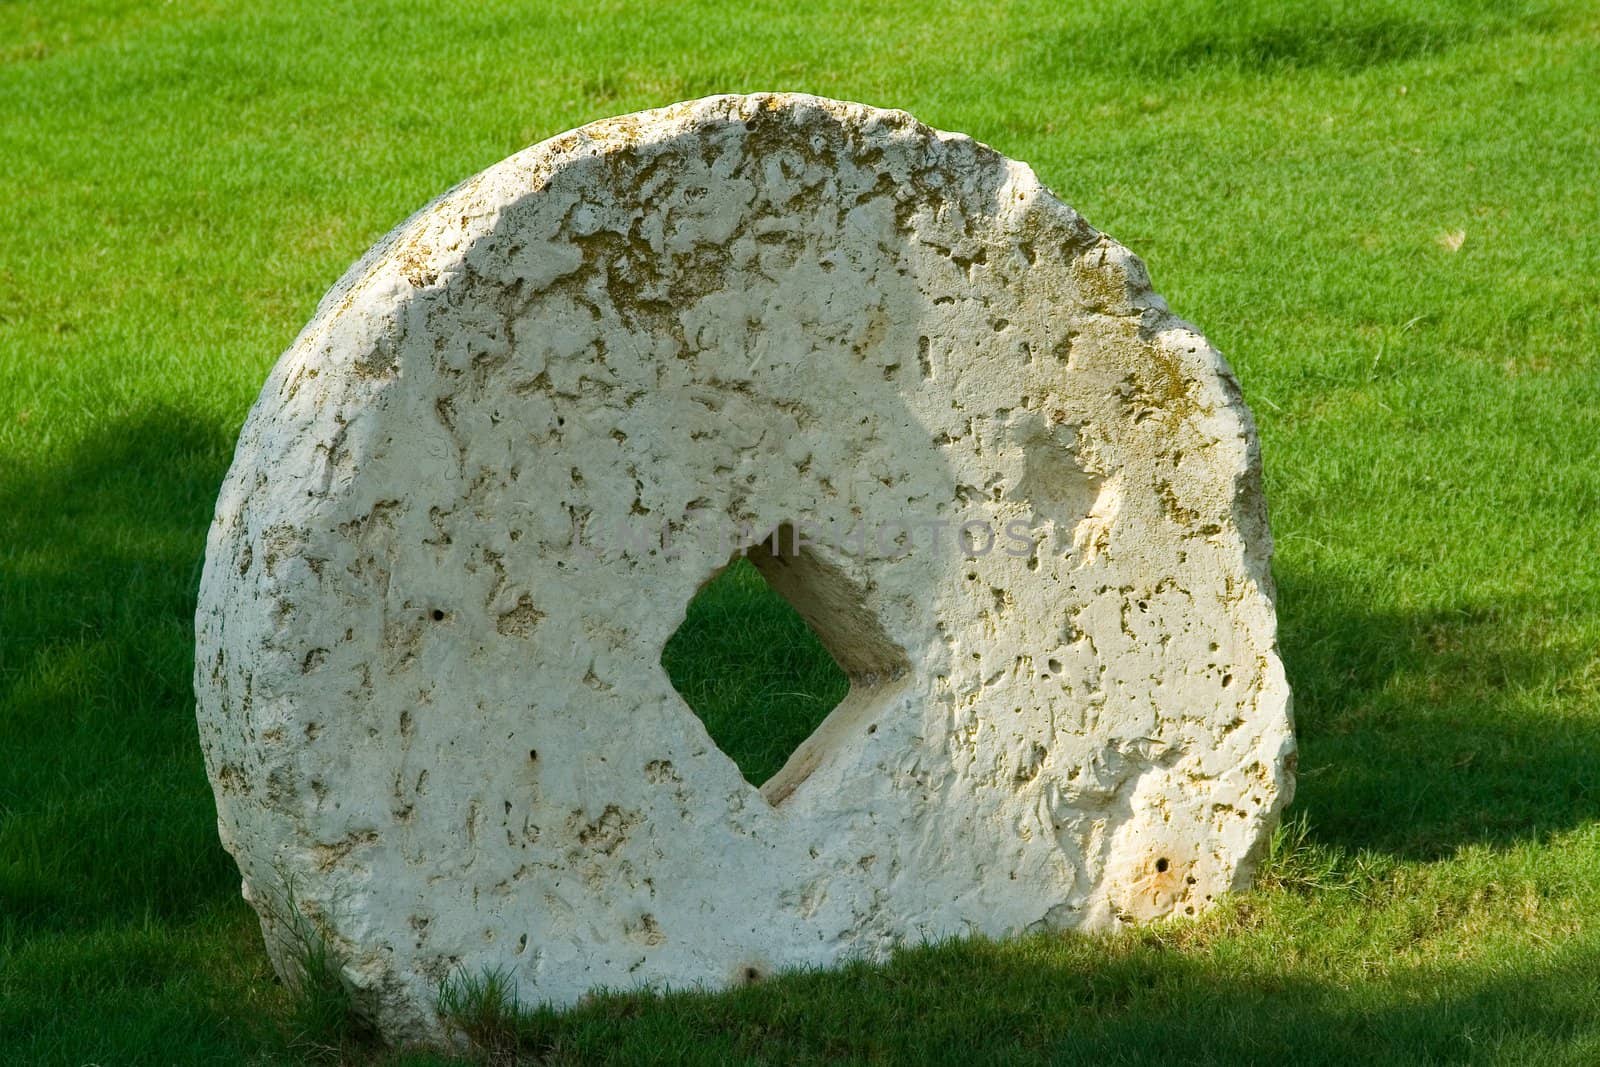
(773, 646)
(748, 665)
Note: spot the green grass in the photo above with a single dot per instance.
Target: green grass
(750, 667)
(182, 181)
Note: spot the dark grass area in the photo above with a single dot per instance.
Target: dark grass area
(1150, 999)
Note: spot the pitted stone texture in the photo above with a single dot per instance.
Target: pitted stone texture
(437, 727)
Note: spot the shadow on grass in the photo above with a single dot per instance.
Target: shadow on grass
(104, 809)
(1421, 733)
(1079, 1000)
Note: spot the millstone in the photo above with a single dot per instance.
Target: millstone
(430, 628)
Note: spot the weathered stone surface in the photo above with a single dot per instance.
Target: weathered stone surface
(436, 722)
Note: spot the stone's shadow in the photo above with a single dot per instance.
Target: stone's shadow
(1092, 1002)
(104, 808)
(1423, 733)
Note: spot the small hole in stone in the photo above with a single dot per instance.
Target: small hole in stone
(872, 729)
(1054, 665)
(438, 615)
(752, 975)
(1227, 680)
(1162, 865)
(533, 754)
(1191, 880)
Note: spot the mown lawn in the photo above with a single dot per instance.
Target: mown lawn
(1386, 214)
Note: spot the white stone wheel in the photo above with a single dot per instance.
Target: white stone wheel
(436, 722)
